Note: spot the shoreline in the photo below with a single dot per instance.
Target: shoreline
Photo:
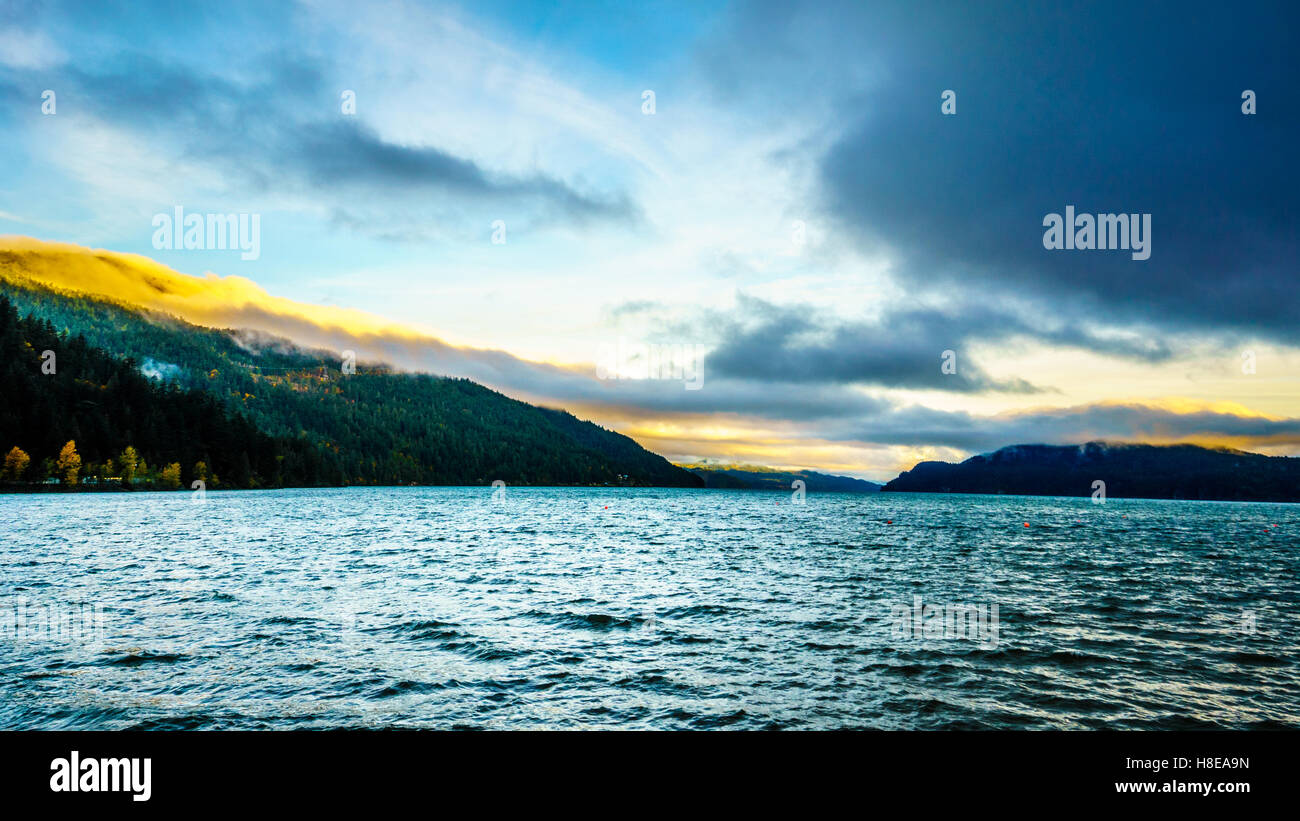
(35, 490)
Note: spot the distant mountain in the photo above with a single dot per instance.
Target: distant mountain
(747, 477)
(1129, 471)
(371, 427)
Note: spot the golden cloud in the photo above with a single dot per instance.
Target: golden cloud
(210, 300)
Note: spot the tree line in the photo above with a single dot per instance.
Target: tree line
(69, 411)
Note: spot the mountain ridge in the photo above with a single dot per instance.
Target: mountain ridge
(754, 477)
(1128, 470)
(374, 426)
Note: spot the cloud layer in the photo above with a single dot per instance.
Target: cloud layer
(825, 406)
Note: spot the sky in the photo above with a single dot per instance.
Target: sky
(847, 264)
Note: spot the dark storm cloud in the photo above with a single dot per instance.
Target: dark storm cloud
(1110, 107)
(904, 350)
(341, 154)
(901, 349)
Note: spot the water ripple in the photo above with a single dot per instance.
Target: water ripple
(576, 608)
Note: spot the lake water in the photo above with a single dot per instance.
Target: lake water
(632, 608)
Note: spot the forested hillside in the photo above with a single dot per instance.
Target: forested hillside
(321, 426)
(78, 412)
(1129, 471)
(749, 477)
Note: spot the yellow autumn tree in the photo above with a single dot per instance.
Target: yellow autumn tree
(129, 461)
(70, 462)
(16, 462)
(171, 476)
